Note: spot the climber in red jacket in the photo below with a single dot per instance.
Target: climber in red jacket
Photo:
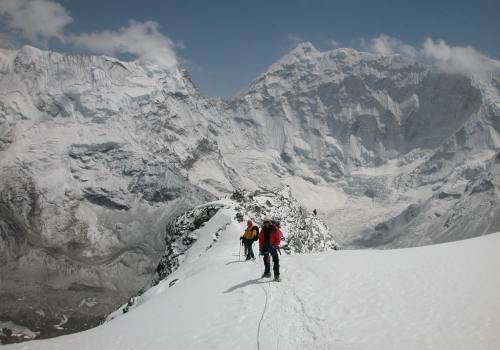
(269, 243)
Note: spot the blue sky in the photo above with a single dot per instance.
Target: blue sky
(226, 44)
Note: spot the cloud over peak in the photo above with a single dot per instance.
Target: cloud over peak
(459, 59)
(35, 20)
(452, 59)
(141, 39)
(39, 21)
(387, 45)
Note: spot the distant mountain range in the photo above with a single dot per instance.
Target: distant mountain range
(97, 156)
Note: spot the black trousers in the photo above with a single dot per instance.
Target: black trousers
(248, 248)
(276, 262)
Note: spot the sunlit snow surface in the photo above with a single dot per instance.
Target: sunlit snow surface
(436, 297)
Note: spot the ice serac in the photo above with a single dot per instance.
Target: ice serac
(98, 156)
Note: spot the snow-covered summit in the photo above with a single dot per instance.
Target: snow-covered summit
(304, 52)
(306, 68)
(53, 71)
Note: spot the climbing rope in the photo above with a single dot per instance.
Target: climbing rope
(263, 313)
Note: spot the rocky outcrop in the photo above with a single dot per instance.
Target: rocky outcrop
(180, 235)
(303, 232)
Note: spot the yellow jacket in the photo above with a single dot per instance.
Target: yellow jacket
(250, 233)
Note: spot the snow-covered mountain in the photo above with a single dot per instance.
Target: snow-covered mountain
(97, 156)
(92, 171)
(390, 149)
(437, 297)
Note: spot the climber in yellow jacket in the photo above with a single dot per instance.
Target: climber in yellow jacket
(251, 235)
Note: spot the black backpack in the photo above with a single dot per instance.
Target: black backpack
(256, 229)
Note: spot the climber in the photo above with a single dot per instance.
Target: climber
(269, 243)
(251, 234)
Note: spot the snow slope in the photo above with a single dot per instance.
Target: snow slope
(436, 297)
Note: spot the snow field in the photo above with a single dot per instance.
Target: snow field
(436, 297)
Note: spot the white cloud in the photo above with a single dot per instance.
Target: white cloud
(452, 59)
(387, 45)
(295, 39)
(459, 59)
(38, 21)
(334, 43)
(35, 20)
(141, 39)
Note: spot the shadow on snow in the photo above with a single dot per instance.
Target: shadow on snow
(245, 284)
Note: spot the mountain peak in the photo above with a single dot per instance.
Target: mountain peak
(32, 51)
(305, 51)
(305, 47)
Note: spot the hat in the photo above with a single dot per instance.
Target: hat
(268, 218)
(249, 222)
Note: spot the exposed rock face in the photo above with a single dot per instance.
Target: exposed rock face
(97, 156)
(180, 234)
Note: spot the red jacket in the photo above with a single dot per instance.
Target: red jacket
(274, 238)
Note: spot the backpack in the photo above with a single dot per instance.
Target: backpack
(256, 229)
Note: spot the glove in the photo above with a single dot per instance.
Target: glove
(241, 238)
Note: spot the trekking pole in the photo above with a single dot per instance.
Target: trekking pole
(239, 254)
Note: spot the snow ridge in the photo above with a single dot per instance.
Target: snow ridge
(302, 232)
